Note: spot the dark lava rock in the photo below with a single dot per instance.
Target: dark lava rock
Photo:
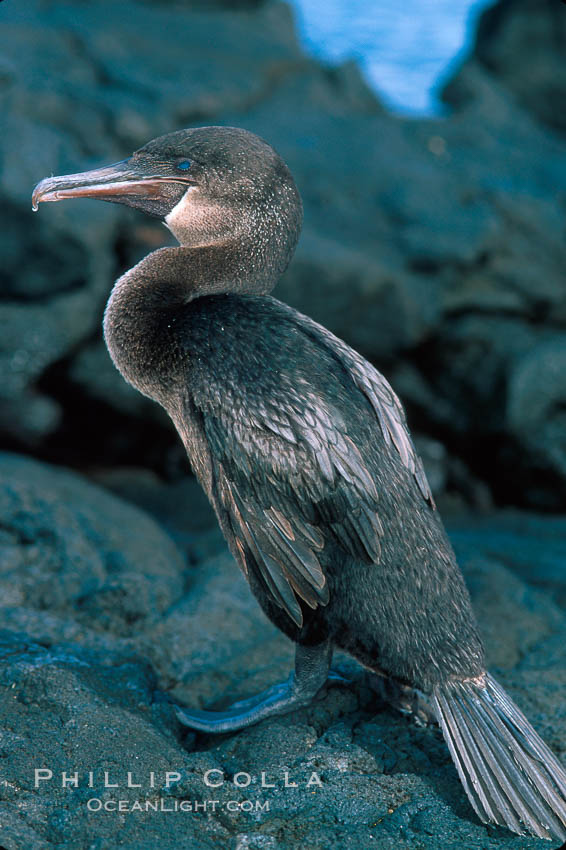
(103, 623)
(436, 247)
(522, 43)
(535, 409)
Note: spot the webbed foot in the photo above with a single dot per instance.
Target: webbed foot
(312, 665)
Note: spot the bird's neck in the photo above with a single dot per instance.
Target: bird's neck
(146, 303)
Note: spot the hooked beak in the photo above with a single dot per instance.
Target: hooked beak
(120, 182)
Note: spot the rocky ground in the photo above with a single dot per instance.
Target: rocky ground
(437, 248)
(107, 619)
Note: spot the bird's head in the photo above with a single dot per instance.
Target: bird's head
(210, 185)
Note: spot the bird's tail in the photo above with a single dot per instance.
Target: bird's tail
(510, 776)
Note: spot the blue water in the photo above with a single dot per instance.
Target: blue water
(405, 49)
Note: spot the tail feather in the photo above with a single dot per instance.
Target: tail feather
(509, 774)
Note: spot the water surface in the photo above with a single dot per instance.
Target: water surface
(405, 49)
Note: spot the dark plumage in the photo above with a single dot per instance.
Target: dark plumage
(303, 450)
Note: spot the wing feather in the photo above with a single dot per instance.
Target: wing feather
(288, 476)
(385, 403)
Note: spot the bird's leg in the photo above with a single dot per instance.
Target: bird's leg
(402, 698)
(312, 665)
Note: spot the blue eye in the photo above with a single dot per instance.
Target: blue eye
(184, 165)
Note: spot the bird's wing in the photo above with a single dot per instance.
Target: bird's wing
(289, 480)
(279, 410)
(384, 401)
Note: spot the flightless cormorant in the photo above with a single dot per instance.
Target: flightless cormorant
(303, 450)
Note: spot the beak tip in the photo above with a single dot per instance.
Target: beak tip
(37, 195)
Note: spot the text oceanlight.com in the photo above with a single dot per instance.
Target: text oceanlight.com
(95, 804)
